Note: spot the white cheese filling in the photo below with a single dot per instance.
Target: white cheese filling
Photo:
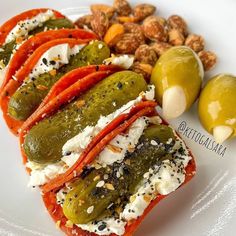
(162, 179)
(125, 61)
(111, 225)
(54, 58)
(23, 27)
(73, 148)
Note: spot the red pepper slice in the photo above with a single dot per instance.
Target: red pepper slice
(118, 125)
(72, 77)
(14, 84)
(29, 46)
(83, 84)
(56, 211)
(6, 28)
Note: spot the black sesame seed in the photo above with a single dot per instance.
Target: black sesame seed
(67, 153)
(102, 226)
(52, 63)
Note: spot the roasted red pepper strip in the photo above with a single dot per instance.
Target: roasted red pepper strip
(6, 28)
(75, 89)
(29, 46)
(118, 125)
(72, 77)
(14, 84)
(57, 214)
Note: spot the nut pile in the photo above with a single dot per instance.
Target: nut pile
(137, 31)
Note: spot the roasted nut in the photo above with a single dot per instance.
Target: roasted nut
(127, 19)
(142, 11)
(161, 20)
(177, 22)
(154, 30)
(136, 30)
(84, 21)
(122, 7)
(100, 23)
(195, 42)
(127, 44)
(143, 69)
(208, 59)
(160, 47)
(176, 38)
(108, 10)
(114, 34)
(146, 54)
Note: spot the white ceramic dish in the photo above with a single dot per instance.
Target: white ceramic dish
(204, 207)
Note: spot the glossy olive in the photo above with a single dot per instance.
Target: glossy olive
(217, 103)
(178, 66)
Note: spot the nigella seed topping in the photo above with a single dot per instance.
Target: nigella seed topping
(45, 62)
(52, 63)
(102, 226)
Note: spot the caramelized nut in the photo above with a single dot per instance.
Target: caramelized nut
(154, 30)
(160, 47)
(177, 22)
(108, 10)
(127, 19)
(136, 30)
(161, 20)
(114, 34)
(127, 44)
(176, 38)
(146, 54)
(100, 23)
(122, 7)
(208, 59)
(84, 21)
(143, 69)
(142, 11)
(195, 42)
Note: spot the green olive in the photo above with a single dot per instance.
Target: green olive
(217, 101)
(181, 69)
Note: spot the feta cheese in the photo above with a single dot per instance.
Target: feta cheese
(124, 61)
(42, 174)
(22, 28)
(109, 226)
(162, 179)
(108, 156)
(59, 55)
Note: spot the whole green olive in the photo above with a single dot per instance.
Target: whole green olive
(216, 107)
(177, 77)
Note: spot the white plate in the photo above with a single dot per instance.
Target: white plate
(205, 206)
